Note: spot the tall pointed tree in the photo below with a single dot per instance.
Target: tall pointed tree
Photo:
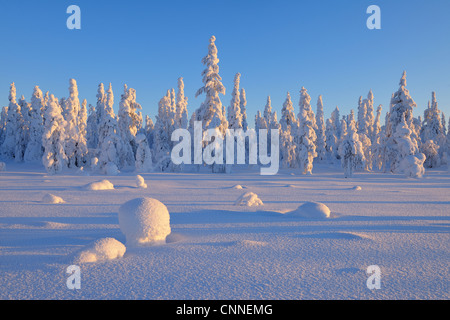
(34, 150)
(53, 138)
(320, 132)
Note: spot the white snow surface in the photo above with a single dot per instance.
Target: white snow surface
(217, 250)
(144, 221)
(101, 250)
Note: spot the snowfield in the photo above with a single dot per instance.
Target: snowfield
(217, 250)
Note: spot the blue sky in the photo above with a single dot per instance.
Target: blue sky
(277, 46)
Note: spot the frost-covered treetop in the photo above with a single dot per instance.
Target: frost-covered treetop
(37, 99)
(305, 104)
(211, 77)
(73, 88)
(110, 101)
(403, 80)
(12, 93)
(402, 103)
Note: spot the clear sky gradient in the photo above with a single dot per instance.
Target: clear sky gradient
(277, 46)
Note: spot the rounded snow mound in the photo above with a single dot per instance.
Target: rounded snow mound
(249, 199)
(144, 221)
(52, 199)
(99, 185)
(312, 210)
(140, 182)
(357, 188)
(102, 250)
(237, 187)
(252, 243)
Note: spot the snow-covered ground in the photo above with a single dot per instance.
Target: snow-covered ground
(219, 250)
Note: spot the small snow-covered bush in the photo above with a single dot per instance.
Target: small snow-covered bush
(111, 169)
(412, 166)
(144, 221)
(94, 163)
(312, 210)
(99, 185)
(102, 250)
(2, 166)
(52, 199)
(249, 199)
(140, 182)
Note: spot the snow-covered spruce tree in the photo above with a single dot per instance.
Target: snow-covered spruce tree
(34, 150)
(362, 111)
(287, 149)
(268, 112)
(165, 124)
(92, 129)
(351, 151)
(288, 119)
(53, 138)
(12, 146)
(143, 154)
(408, 158)
(331, 140)
(181, 106)
(260, 122)
(378, 141)
(211, 112)
(149, 128)
(109, 140)
(75, 145)
(364, 131)
(431, 151)
(433, 130)
(305, 104)
(444, 125)
(82, 157)
(243, 107)
(401, 106)
(25, 109)
(288, 126)
(320, 132)
(335, 130)
(306, 135)
(127, 128)
(370, 117)
(3, 121)
(234, 115)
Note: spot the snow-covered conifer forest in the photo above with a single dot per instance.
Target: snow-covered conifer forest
(85, 186)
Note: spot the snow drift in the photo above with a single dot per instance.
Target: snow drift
(99, 185)
(140, 182)
(249, 199)
(144, 221)
(101, 250)
(311, 210)
(52, 199)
